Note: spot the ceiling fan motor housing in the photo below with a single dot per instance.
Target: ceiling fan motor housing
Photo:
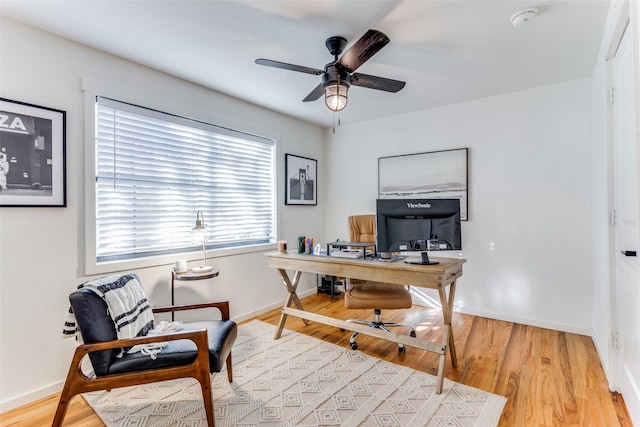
(336, 45)
(335, 74)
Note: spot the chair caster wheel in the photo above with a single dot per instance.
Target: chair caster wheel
(402, 349)
(354, 345)
(413, 334)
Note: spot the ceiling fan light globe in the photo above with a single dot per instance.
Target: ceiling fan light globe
(335, 96)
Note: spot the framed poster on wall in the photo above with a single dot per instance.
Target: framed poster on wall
(431, 175)
(32, 155)
(301, 174)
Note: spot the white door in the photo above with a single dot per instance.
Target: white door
(627, 281)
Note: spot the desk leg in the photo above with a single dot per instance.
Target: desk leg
(447, 338)
(292, 298)
(443, 359)
(448, 314)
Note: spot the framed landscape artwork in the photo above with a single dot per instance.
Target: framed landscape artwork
(301, 175)
(431, 175)
(32, 155)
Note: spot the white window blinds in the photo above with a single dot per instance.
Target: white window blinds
(154, 171)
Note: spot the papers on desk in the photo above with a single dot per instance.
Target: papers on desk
(346, 254)
(349, 253)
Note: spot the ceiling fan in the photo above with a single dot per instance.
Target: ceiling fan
(339, 74)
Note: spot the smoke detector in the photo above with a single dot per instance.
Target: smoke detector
(523, 15)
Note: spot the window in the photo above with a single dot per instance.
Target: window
(154, 171)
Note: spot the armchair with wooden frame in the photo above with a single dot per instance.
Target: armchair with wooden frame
(197, 351)
(361, 294)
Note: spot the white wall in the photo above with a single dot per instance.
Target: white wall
(529, 196)
(41, 249)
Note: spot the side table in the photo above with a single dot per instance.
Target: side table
(188, 276)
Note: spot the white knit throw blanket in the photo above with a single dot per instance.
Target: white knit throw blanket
(162, 328)
(130, 311)
(128, 305)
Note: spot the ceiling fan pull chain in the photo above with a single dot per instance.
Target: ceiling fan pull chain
(338, 92)
(334, 111)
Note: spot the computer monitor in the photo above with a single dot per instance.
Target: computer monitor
(422, 225)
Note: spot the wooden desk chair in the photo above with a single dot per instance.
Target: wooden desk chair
(200, 349)
(373, 295)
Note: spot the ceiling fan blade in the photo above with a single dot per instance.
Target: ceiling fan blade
(374, 82)
(367, 46)
(290, 67)
(315, 94)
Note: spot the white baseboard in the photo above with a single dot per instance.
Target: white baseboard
(562, 327)
(278, 304)
(606, 367)
(427, 298)
(32, 396)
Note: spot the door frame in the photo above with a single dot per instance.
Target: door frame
(626, 20)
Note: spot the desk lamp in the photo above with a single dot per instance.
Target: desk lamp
(200, 235)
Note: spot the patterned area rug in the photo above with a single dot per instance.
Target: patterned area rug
(301, 381)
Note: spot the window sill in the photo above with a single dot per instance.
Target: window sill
(168, 260)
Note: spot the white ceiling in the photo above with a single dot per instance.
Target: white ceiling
(448, 51)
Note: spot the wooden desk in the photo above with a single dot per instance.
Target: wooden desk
(439, 276)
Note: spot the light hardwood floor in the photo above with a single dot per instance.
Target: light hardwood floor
(550, 378)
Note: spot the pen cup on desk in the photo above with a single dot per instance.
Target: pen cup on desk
(301, 244)
(282, 246)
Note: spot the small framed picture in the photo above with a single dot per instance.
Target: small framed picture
(32, 155)
(301, 174)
